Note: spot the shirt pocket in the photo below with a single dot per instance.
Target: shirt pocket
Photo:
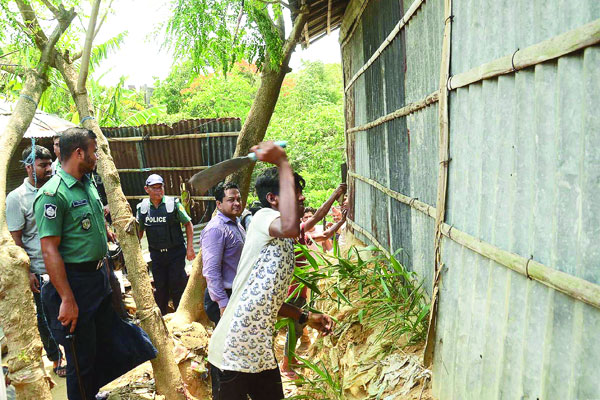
(81, 216)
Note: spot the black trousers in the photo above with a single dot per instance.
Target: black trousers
(265, 385)
(168, 270)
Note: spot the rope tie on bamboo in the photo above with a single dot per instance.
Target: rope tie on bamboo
(449, 83)
(26, 97)
(450, 231)
(527, 267)
(512, 61)
(450, 18)
(446, 162)
(412, 201)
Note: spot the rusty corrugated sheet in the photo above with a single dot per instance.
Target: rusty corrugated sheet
(188, 152)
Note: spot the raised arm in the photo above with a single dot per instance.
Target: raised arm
(324, 209)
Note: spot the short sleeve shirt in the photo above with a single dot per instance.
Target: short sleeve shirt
(243, 339)
(19, 217)
(71, 209)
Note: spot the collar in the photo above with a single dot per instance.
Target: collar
(69, 179)
(29, 186)
(162, 201)
(225, 218)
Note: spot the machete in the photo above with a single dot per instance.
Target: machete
(204, 180)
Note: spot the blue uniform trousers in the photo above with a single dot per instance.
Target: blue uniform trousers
(168, 270)
(106, 346)
(52, 350)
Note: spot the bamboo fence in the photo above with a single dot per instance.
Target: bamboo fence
(392, 35)
(561, 45)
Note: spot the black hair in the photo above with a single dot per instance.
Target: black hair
(222, 188)
(268, 182)
(73, 139)
(309, 210)
(41, 153)
(57, 135)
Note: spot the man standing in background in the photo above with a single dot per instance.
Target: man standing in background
(161, 217)
(21, 224)
(222, 241)
(56, 148)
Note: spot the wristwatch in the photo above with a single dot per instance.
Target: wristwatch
(303, 318)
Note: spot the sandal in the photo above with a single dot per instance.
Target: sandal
(60, 370)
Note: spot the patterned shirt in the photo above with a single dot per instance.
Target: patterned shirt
(243, 339)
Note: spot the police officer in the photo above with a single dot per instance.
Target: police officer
(161, 217)
(77, 299)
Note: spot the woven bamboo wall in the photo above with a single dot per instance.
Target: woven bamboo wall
(473, 143)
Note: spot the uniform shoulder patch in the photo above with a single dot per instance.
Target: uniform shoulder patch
(50, 211)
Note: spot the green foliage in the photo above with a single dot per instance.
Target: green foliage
(215, 34)
(309, 114)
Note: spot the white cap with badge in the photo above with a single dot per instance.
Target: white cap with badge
(154, 179)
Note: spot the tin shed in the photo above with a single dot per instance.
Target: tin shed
(473, 145)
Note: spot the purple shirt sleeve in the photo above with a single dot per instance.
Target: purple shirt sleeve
(213, 244)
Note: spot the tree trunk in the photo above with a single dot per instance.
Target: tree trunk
(17, 311)
(191, 305)
(166, 373)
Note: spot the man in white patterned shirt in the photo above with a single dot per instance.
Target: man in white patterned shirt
(241, 346)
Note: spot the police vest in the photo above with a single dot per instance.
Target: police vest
(162, 225)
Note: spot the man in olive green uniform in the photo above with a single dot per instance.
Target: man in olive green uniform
(73, 235)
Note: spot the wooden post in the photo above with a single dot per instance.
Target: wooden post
(442, 177)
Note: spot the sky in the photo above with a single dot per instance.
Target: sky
(141, 59)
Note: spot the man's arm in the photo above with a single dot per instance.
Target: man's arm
(213, 245)
(55, 266)
(320, 237)
(288, 224)
(324, 209)
(321, 322)
(18, 238)
(189, 233)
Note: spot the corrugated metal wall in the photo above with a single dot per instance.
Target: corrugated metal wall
(524, 176)
(402, 153)
(188, 152)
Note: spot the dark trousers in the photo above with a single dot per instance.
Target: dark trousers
(168, 270)
(105, 346)
(52, 350)
(265, 385)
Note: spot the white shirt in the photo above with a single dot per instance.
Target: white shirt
(243, 339)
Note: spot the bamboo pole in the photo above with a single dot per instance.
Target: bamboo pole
(401, 112)
(558, 46)
(193, 197)
(173, 137)
(572, 286)
(442, 189)
(410, 201)
(392, 35)
(194, 168)
(368, 235)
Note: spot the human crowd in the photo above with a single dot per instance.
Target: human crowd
(59, 215)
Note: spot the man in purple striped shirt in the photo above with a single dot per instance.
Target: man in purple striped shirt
(222, 241)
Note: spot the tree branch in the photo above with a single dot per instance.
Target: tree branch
(13, 69)
(51, 7)
(294, 37)
(87, 48)
(64, 18)
(31, 22)
(102, 19)
(276, 2)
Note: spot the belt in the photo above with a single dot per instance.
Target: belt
(88, 266)
(164, 250)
